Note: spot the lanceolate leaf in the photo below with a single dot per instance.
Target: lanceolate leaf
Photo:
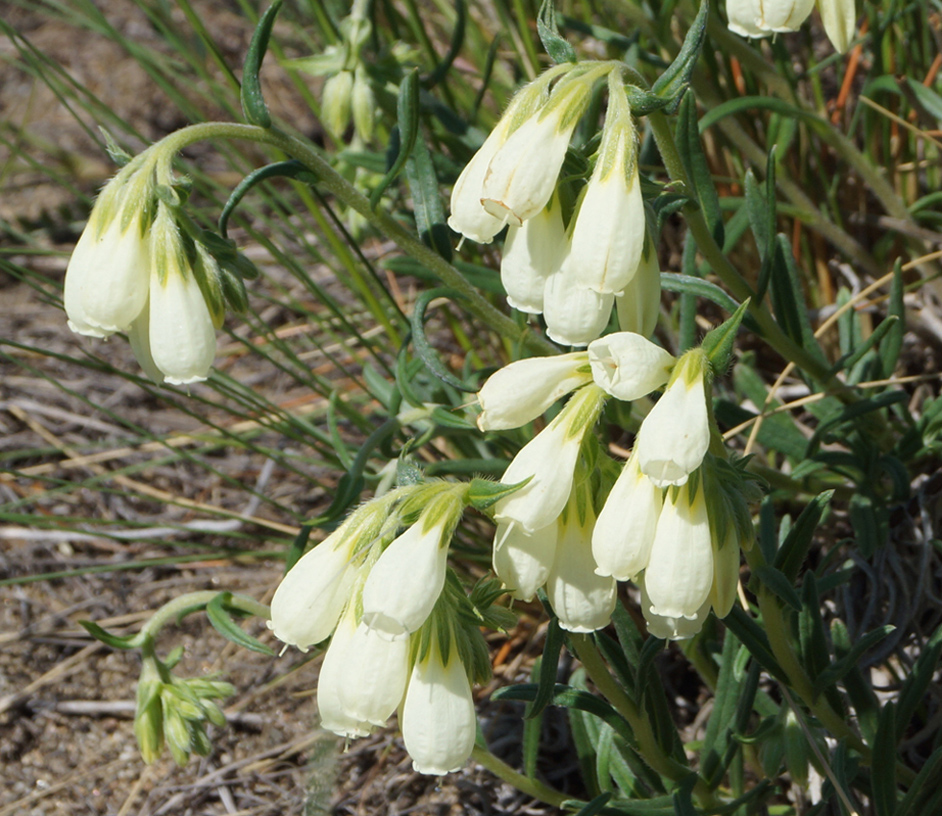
(221, 618)
(253, 103)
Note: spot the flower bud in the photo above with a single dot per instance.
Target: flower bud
(840, 22)
(628, 366)
(364, 105)
(521, 391)
(336, 100)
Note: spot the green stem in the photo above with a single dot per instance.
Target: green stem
(524, 784)
(648, 746)
(334, 184)
(194, 601)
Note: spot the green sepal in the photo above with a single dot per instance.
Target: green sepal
(484, 494)
(556, 46)
(672, 84)
(253, 102)
(643, 102)
(134, 641)
(407, 116)
(220, 616)
(719, 342)
(115, 152)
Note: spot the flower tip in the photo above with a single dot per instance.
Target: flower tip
(386, 626)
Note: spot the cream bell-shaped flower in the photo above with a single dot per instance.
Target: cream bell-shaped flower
(840, 22)
(532, 252)
(106, 281)
(582, 599)
(675, 435)
(405, 582)
(638, 305)
(521, 391)
(624, 531)
(761, 18)
(523, 560)
(310, 598)
(550, 459)
(671, 628)
(521, 177)
(574, 315)
(330, 682)
(629, 366)
(609, 230)
(437, 719)
(679, 576)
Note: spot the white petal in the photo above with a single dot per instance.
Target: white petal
(840, 22)
(628, 366)
(675, 436)
(679, 576)
(521, 391)
(550, 458)
(575, 316)
(333, 676)
(638, 305)
(609, 233)
(468, 215)
(106, 282)
(521, 176)
(624, 531)
(784, 15)
(532, 252)
(582, 600)
(405, 582)
(523, 561)
(309, 599)
(375, 673)
(669, 628)
(438, 719)
(182, 335)
(743, 16)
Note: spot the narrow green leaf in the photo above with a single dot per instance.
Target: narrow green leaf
(776, 582)
(454, 47)
(883, 766)
(728, 690)
(423, 347)
(750, 634)
(925, 788)
(791, 555)
(114, 641)
(673, 82)
(858, 687)
(427, 201)
(850, 658)
(556, 46)
(549, 666)
(253, 103)
(285, 169)
(407, 113)
(913, 691)
(698, 171)
(892, 343)
(221, 618)
(596, 805)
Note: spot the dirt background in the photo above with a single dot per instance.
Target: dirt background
(66, 701)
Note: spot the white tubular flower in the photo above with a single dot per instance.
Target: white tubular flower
(675, 436)
(550, 459)
(725, 574)
(840, 22)
(582, 599)
(574, 315)
(624, 532)
(523, 561)
(521, 391)
(182, 337)
(761, 18)
(406, 581)
(638, 305)
(334, 674)
(375, 674)
(679, 576)
(106, 281)
(310, 598)
(532, 252)
(468, 215)
(608, 235)
(628, 366)
(438, 720)
(521, 176)
(671, 628)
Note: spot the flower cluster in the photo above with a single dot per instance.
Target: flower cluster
(654, 526)
(572, 276)
(403, 636)
(762, 18)
(141, 267)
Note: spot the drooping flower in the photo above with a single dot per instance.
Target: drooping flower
(624, 531)
(438, 720)
(638, 304)
(679, 575)
(549, 461)
(609, 229)
(575, 315)
(532, 252)
(675, 436)
(521, 391)
(762, 18)
(628, 366)
(523, 560)
(582, 599)
(840, 22)
(671, 628)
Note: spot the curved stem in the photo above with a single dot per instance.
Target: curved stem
(334, 184)
(194, 601)
(524, 784)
